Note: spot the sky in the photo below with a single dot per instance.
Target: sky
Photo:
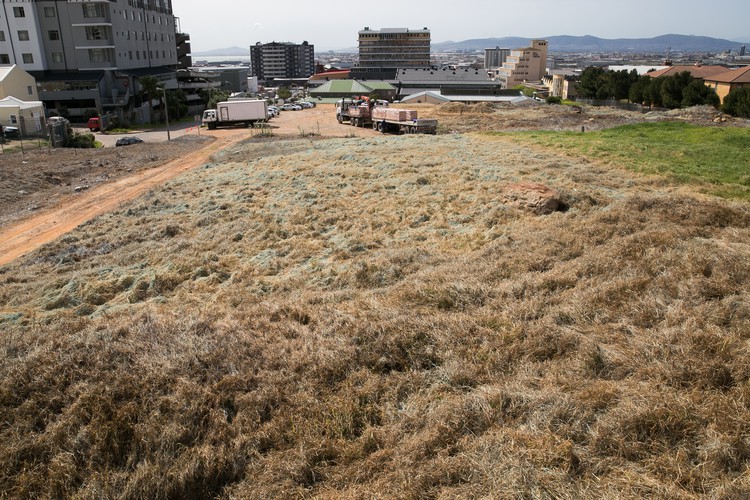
(333, 24)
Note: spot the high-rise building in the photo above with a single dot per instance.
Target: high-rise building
(382, 52)
(282, 60)
(494, 58)
(528, 64)
(85, 54)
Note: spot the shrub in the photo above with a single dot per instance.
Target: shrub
(81, 140)
(737, 103)
(553, 99)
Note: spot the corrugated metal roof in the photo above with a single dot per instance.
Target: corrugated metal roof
(467, 98)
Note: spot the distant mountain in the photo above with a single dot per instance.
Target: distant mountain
(588, 43)
(231, 51)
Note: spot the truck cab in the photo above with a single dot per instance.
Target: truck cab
(209, 118)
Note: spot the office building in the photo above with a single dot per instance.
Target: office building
(382, 52)
(277, 60)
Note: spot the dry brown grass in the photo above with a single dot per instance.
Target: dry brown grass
(364, 318)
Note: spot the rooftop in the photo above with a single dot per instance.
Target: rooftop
(740, 75)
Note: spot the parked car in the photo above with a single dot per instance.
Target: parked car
(127, 141)
(306, 104)
(11, 132)
(95, 124)
(291, 107)
(273, 111)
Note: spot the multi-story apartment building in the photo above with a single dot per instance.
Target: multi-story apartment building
(86, 53)
(528, 64)
(282, 60)
(382, 52)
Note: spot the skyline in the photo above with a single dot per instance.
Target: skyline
(335, 26)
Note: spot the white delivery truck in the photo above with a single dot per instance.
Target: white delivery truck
(244, 112)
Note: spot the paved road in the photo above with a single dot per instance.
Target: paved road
(154, 135)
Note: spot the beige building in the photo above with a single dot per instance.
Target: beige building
(528, 64)
(16, 82)
(27, 116)
(725, 82)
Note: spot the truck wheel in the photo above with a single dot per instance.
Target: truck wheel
(380, 127)
(374, 125)
(413, 130)
(211, 126)
(339, 118)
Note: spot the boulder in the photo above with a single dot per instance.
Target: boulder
(535, 197)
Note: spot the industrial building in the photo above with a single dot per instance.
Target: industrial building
(382, 52)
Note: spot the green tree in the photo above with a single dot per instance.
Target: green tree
(149, 86)
(592, 82)
(284, 93)
(696, 92)
(212, 96)
(737, 102)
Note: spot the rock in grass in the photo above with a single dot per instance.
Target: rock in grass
(532, 196)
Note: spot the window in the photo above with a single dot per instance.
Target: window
(130, 54)
(128, 35)
(30, 90)
(57, 57)
(27, 58)
(144, 54)
(94, 33)
(18, 12)
(54, 35)
(4, 59)
(137, 55)
(2, 36)
(93, 10)
(23, 35)
(13, 119)
(50, 12)
(99, 55)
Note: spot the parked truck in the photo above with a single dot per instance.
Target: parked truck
(237, 112)
(363, 113)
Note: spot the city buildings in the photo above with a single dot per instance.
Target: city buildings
(277, 60)
(528, 64)
(89, 55)
(382, 52)
(494, 58)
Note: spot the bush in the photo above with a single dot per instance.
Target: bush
(737, 103)
(553, 99)
(80, 140)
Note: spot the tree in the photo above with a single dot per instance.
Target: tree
(737, 102)
(212, 96)
(697, 93)
(284, 93)
(149, 86)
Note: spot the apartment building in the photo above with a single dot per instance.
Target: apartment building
(282, 60)
(528, 64)
(382, 52)
(88, 54)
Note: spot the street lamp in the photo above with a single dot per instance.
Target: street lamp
(166, 109)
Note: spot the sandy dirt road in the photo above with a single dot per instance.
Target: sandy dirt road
(29, 233)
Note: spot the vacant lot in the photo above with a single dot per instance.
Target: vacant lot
(384, 317)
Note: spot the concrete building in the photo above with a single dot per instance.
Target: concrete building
(495, 58)
(282, 60)
(382, 52)
(17, 83)
(86, 54)
(528, 64)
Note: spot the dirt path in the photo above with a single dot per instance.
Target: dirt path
(69, 212)
(29, 234)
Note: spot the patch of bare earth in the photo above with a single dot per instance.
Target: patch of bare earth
(384, 317)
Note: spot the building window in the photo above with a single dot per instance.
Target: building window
(18, 12)
(50, 12)
(144, 54)
(94, 33)
(54, 35)
(4, 59)
(99, 55)
(23, 35)
(130, 54)
(128, 35)
(137, 55)
(13, 119)
(93, 10)
(2, 36)
(57, 57)
(30, 89)
(27, 58)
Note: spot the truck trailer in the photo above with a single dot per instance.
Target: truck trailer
(364, 113)
(237, 112)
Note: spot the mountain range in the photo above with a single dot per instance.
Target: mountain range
(564, 43)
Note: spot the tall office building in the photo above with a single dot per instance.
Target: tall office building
(528, 64)
(282, 60)
(84, 54)
(382, 52)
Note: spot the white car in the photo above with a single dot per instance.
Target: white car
(273, 111)
(291, 107)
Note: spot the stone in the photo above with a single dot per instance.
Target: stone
(532, 196)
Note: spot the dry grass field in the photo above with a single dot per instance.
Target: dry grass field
(376, 317)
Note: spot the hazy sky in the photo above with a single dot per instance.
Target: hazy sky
(333, 24)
